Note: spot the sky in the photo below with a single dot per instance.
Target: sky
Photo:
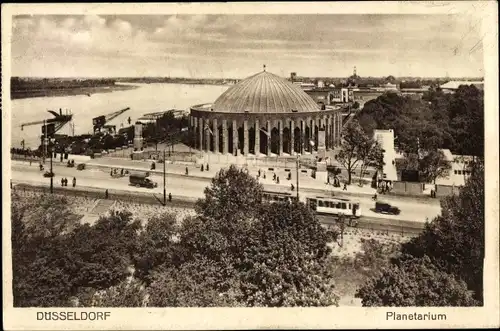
(236, 46)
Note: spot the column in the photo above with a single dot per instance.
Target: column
(257, 137)
(339, 121)
(235, 138)
(225, 140)
(194, 139)
(216, 136)
(327, 130)
(268, 129)
(207, 135)
(245, 137)
(334, 131)
(200, 133)
(280, 129)
(302, 136)
(313, 135)
(292, 137)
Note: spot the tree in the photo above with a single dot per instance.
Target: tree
(450, 250)
(198, 283)
(433, 165)
(355, 105)
(156, 245)
(353, 140)
(370, 153)
(232, 194)
(415, 282)
(249, 253)
(285, 261)
(128, 293)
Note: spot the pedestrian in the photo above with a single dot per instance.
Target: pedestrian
(292, 187)
(277, 180)
(274, 176)
(111, 172)
(264, 176)
(328, 179)
(122, 172)
(62, 157)
(74, 181)
(187, 171)
(258, 173)
(169, 197)
(30, 162)
(62, 181)
(207, 167)
(202, 167)
(107, 195)
(345, 187)
(289, 176)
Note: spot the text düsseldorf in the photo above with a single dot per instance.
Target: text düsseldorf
(72, 316)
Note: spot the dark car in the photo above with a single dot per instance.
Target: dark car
(48, 174)
(140, 179)
(386, 208)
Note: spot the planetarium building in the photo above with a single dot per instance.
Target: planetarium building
(264, 115)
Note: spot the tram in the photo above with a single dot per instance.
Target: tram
(334, 206)
(269, 196)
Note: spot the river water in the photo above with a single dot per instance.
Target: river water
(147, 98)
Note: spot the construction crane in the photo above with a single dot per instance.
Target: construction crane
(58, 121)
(100, 121)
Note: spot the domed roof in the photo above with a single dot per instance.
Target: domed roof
(264, 93)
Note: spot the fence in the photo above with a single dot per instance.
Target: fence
(407, 188)
(446, 190)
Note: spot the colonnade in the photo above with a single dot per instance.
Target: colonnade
(257, 135)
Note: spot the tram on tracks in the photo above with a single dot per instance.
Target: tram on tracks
(336, 207)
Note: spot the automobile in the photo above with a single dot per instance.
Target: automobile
(48, 174)
(386, 208)
(81, 166)
(142, 180)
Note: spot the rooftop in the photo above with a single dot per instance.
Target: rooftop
(264, 93)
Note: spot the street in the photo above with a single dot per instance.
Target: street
(411, 210)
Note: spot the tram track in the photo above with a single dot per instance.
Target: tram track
(183, 202)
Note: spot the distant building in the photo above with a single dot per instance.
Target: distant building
(329, 96)
(452, 86)
(386, 140)
(321, 84)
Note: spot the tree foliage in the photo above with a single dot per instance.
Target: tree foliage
(439, 120)
(48, 270)
(449, 254)
(232, 195)
(355, 147)
(415, 282)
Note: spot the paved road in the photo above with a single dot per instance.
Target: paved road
(193, 187)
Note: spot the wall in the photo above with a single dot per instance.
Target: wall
(407, 188)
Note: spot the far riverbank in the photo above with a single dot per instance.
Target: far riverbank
(63, 92)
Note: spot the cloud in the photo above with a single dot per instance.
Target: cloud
(245, 38)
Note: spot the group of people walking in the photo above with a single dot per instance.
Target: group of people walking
(64, 181)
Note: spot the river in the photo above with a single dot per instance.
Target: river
(147, 98)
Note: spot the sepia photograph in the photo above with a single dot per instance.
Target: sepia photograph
(212, 156)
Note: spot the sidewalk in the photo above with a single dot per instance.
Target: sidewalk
(305, 179)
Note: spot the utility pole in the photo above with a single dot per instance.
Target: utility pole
(164, 180)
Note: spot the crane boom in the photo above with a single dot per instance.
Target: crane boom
(100, 122)
(59, 120)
